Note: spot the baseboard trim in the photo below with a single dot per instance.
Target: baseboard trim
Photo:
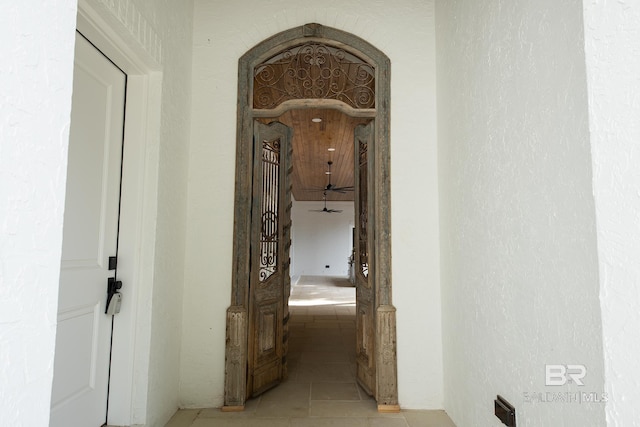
(388, 409)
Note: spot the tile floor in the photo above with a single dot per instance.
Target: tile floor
(321, 389)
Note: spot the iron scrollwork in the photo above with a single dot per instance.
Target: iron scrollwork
(364, 210)
(317, 71)
(269, 220)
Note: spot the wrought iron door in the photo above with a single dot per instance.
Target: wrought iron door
(270, 241)
(365, 294)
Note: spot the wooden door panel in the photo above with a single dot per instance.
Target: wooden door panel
(268, 350)
(267, 315)
(365, 346)
(269, 281)
(365, 295)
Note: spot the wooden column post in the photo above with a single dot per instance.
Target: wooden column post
(386, 368)
(235, 383)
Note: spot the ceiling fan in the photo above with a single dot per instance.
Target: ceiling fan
(325, 210)
(330, 186)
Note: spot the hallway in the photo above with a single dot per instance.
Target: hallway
(321, 389)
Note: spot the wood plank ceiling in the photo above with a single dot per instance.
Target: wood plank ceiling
(311, 144)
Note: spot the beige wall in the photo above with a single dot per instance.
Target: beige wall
(223, 31)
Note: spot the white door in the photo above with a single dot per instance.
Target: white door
(81, 369)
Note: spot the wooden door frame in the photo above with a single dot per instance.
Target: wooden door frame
(237, 313)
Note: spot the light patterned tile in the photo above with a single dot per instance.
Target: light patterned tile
(362, 409)
(339, 356)
(321, 322)
(241, 422)
(427, 418)
(334, 391)
(387, 422)
(326, 372)
(302, 318)
(289, 399)
(316, 324)
(249, 411)
(328, 422)
(183, 418)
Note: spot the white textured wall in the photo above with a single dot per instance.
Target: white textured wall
(320, 239)
(36, 71)
(612, 40)
(518, 237)
(224, 31)
(168, 39)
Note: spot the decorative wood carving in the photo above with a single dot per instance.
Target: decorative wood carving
(315, 37)
(314, 70)
(386, 369)
(236, 357)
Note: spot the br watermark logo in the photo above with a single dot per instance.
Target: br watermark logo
(561, 375)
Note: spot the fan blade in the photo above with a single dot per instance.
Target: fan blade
(342, 190)
(339, 190)
(325, 210)
(336, 188)
(324, 198)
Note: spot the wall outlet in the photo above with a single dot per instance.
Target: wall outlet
(505, 411)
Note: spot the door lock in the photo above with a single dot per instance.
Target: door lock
(114, 298)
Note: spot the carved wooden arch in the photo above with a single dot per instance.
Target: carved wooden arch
(236, 340)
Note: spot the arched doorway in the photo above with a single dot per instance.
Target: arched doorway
(307, 67)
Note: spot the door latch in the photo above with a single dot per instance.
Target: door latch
(114, 298)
